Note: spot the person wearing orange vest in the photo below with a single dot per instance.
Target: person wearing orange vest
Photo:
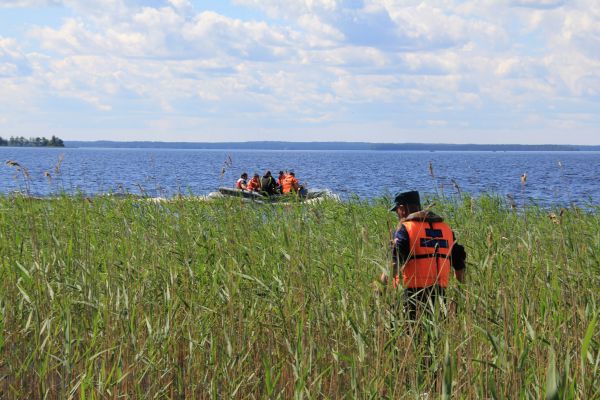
(242, 182)
(280, 180)
(254, 184)
(424, 251)
(290, 183)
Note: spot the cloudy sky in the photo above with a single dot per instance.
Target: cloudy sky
(453, 71)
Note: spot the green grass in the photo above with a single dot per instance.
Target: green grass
(112, 298)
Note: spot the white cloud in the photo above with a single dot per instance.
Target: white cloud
(319, 34)
(212, 34)
(28, 3)
(145, 34)
(364, 88)
(317, 62)
(430, 63)
(181, 4)
(542, 4)
(293, 8)
(356, 58)
(385, 24)
(13, 62)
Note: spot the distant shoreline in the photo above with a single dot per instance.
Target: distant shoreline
(269, 145)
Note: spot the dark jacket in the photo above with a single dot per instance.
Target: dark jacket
(269, 186)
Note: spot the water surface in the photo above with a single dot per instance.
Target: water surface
(553, 178)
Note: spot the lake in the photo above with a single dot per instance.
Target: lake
(553, 178)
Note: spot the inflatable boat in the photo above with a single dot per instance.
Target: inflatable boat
(303, 195)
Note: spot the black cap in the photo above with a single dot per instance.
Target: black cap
(406, 198)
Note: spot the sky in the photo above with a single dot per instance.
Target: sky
(397, 71)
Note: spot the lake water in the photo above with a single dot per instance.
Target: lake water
(553, 178)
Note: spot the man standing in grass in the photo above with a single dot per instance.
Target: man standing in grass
(424, 250)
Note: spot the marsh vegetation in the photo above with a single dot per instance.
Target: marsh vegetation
(105, 297)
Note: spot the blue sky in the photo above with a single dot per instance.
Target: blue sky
(453, 71)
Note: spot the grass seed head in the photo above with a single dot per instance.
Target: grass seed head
(61, 157)
(554, 218)
(511, 201)
(455, 184)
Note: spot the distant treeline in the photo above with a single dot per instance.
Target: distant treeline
(268, 145)
(20, 141)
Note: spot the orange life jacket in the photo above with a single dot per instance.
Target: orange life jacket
(289, 183)
(281, 179)
(253, 185)
(241, 183)
(429, 260)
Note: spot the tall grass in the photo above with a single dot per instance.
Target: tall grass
(106, 298)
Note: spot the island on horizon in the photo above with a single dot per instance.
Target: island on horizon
(21, 141)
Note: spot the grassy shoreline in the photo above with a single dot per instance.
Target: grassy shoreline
(105, 298)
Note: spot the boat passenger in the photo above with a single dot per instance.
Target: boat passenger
(268, 184)
(254, 184)
(280, 180)
(242, 182)
(290, 184)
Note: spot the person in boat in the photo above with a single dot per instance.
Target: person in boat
(242, 182)
(424, 250)
(290, 184)
(254, 184)
(268, 184)
(280, 180)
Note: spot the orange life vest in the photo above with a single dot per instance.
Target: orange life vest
(280, 180)
(429, 260)
(253, 185)
(290, 183)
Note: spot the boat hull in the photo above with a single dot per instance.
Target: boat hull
(304, 195)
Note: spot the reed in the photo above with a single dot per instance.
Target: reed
(112, 298)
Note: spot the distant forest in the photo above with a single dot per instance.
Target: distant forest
(268, 145)
(20, 141)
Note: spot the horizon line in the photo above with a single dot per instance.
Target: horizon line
(327, 142)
